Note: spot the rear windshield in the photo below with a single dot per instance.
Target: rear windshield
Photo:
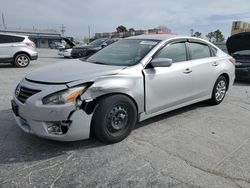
(97, 42)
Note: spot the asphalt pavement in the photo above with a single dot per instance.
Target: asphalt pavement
(196, 146)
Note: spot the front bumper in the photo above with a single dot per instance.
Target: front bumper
(242, 73)
(35, 57)
(33, 117)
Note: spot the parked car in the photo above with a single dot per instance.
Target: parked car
(56, 45)
(17, 49)
(129, 81)
(91, 48)
(239, 47)
(66, 51)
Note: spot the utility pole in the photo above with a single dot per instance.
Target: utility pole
(191, 32)
(4, 26)
(89, 34)
(63, 30)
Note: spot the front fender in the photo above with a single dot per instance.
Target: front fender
(131, 85)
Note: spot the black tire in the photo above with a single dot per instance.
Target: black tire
(114, 118)
(22, 60)
(219, 91)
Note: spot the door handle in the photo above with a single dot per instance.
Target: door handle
(215, 64)
(187, 71)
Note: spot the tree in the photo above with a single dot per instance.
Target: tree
(121, 29)
(218, 36)
(197, 34)
(215, 36)
(131, 30)
(210, 36)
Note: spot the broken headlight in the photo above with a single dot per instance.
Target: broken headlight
(65, 96)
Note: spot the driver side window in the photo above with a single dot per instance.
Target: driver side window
(176, 52)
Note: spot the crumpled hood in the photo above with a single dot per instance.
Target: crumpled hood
(70, 71)
(238, 42)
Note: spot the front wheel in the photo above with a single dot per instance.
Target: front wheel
(22, 60)
(114, 118)
(219, 90)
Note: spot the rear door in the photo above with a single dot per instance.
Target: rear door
(205, 66)
(168, 86)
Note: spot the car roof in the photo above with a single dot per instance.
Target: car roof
(155, 36)
(12, 34)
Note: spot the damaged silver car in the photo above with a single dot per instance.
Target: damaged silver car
(127, 82)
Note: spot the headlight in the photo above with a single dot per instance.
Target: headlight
(66, 96)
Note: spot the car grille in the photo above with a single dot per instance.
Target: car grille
(25, 93)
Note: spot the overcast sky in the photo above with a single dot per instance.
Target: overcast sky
(105, 15)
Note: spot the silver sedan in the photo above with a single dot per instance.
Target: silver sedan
(127, 82)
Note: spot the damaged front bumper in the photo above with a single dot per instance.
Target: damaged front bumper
(55, 122)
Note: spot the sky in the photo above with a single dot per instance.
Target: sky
(105, 15)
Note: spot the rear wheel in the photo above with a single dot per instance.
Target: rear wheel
(22, 60)
(219, 90)
(114, 118)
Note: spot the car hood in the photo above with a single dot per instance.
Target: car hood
(69, 42)
(238, 42)
(66, 72)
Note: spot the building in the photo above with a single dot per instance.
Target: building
(239, 27)
(157, 30)
(43, 38)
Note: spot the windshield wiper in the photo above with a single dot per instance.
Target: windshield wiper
(97, 62)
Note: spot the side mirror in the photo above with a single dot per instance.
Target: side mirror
(104, 45)
(161, 62)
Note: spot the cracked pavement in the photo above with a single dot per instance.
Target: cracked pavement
(195, 146)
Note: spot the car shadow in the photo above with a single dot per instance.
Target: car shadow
(242, 83)
(17, 146)
(171, 114)
(7, 65)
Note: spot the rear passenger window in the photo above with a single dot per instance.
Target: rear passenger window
(10, 39)
(176, 52)
(17, 39)
(199, 51)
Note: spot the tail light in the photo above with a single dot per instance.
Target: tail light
(31, 44)
(232, 60)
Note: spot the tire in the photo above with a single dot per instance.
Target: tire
(219, 91)
(22, 60)
(114, 118)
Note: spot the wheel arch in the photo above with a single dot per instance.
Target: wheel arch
(89, 107)
(22, 52)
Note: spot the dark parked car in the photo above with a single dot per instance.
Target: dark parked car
(239, 47)
(91, 48)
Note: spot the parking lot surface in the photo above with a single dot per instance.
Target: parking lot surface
(196, 146)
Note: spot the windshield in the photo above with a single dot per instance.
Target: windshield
(124, 52)
(97, 42)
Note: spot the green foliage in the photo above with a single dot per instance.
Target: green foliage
(215, 36)
(121, 29)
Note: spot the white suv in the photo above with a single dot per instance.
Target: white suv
(17, 49)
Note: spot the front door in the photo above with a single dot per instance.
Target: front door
(166, 87)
